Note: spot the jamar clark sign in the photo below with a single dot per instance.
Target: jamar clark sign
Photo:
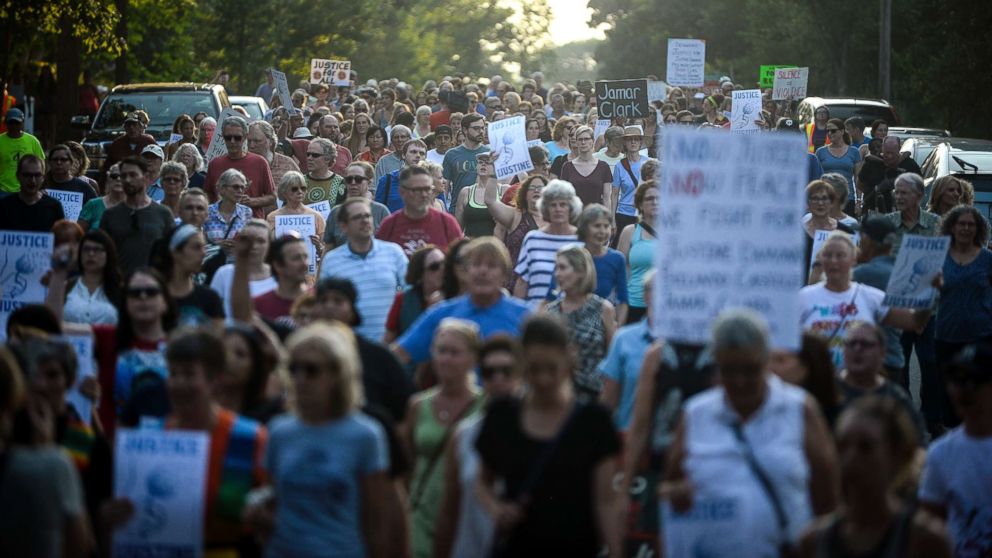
(627, 98)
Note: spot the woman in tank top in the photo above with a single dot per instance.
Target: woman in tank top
(877, 444)
(637, 244)
(752, 462)
(471, 209)
(513, 223)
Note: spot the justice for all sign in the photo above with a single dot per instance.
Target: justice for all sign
(331, 72)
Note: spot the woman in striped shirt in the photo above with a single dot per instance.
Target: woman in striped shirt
(559, 206)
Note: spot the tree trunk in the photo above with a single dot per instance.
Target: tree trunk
(68, 63)
(121, 74)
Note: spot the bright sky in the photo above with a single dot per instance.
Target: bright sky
(569, 22)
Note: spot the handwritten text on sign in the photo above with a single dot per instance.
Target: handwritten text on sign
(336, 72)
(919, 261)
(746, 111)
(790, 83)
(508, 141)
(727, 232)
(72, 202)
(686, 62)
(25, 257)
(303, 225)
(627, 98)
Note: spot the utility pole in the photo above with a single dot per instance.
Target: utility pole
(885, 49)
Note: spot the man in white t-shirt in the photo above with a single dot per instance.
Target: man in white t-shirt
(957, 481)
(832, 314)
(443, 139)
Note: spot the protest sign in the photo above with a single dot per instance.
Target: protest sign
(766, 74)
(627, 98)
(175, 138)
(726, 232)
(72, 202)
(508, 141)
(686, 62)
(303, 225)
(282, 87)
(790, 83)
(331, 72)
(819, 237)
(164, 475)
(705, 529)
(601, 126)
(657, 91)
(919, 261)
(24, 258)
(322, 207)
(83, 345)
(217, 146)
(745, 110)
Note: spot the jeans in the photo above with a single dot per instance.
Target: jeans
(934, 403)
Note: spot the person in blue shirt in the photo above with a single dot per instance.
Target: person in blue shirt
(387, 191)
(488, 266)
(621, 368)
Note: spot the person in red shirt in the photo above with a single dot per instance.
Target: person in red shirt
(261, 190)
(418, 224)
(329, 127)
(289, 260)
(131, 143)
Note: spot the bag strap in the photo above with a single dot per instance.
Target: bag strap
(763, 480)
(648, 228)
(625, 163)
(389, 186)
(544, 458)
(843, 319)
(439, 451)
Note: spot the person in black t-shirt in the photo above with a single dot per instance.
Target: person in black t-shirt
(555, 457)
(179, 257)
(30, 209)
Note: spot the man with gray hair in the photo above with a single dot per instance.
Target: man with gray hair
(328, 127)
(910, 218)
(261, 189)
(875, 264)
(391, 162)
(877, 175)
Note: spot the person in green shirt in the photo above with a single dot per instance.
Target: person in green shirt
(13, 144)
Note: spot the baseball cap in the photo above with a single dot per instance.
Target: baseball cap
(786, 125)
(302, 132)
(879, 229)
(443, 129)
(154, 150)
(131, 119)
(15, 115)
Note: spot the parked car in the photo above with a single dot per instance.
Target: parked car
(904, 132)
(162, 101)
(256, 106)
(919, 147)
(970, 159)
(869, 110)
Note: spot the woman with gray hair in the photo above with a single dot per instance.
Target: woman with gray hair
(227, 217)
(422, 124)
(262, 141)
(174, 180)
(189, 155)
(559, 207)
(754, 448)
(292, 191)
(205, 133)
(322, 183)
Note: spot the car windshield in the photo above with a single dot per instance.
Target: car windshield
(867, 113)
(253, 109)
(163, 107)
(981, 160)
(922, 152)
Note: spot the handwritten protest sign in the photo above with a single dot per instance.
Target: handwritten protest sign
(919, 261)
(24, 258)
(282, 87)
(657, 91)
(508, 141)
(727, 232)
(627, 98)
(303, 225)
(217, 146)
(705, 529)
(164, 475)
(790, 83)
(601, 126)
(83, 345)
(766, 74)
(686, 62)
(72, 202)
(745, 110)
(331, 72)
(819, 237)
(322, 207)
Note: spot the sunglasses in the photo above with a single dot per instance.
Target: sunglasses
(354, 179)
(143, 292)
(435, 266)
(234, 138)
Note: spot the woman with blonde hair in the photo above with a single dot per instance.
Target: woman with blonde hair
(949, 192)
(292, 190)
(433, 416)
(325, 447)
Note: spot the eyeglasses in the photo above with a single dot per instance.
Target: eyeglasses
(859, 344)
(314, 155)
(360, 217)
(435, 266)
(92, 249)
(354, 179)
(234, 138)
(238, 187)
(176, 179)
(819, 199)
(427, 190)
(298, 189)
(583, 139)
(143, 292)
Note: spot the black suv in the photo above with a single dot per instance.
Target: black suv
(162, 101)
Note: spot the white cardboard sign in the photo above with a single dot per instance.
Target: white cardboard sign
(686, 62)
(217, 146)
(303, 225)
(727, 232)
(331, 72)
(508, 142)
(72, 202)
(790, 83)
(919, 261)
(25, 257)
(282, 86)
(746, 110)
